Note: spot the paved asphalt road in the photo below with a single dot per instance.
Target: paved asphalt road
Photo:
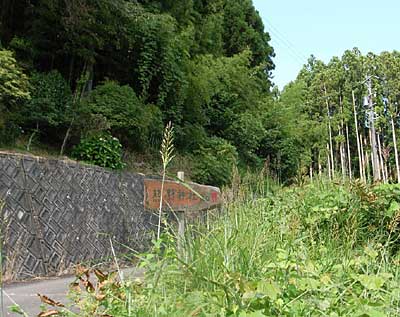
(25, 294)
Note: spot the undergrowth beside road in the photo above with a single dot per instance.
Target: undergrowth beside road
(320, 249)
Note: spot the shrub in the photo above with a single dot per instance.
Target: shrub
(246, 132)
(14, 91)
(14, 85)
(190, 136)
(50, 102)
(214, 162)
(129, 119)
(102, 149)
(9, 132)
(293, 252)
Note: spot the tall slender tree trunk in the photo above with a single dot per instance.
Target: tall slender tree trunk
(79, 92)
(348, 152)
(319, 164)
(342, 145)
(66, 137)
(331, 150)
(376, 171)
(360, 160)
(380, 157)
(366, 157)
(342, 154)
(363, 158)
(311, 165)
(36, 131)
(396, 154)
(330, 132)
(328, 161)
(374, 150)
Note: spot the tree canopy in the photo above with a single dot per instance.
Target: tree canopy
(129, 67)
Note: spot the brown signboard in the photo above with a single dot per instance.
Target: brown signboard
(180, 197)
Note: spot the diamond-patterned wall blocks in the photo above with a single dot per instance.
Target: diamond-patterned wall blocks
(59, 213)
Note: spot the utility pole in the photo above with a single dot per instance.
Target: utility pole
(374, 149)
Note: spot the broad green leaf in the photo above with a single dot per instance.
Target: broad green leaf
(309, 284)
(372, 282)
(371, 252)
(271, 289)
(392, 210)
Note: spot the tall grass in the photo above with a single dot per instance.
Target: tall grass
(167, 154)
(321, 249)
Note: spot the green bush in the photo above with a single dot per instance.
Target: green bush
(214, 162)
(9, 132)
(246, 132)
(102, 149)
(51, 100)
(49, 111)
(189, 136)
(128, 118)
(14, 92)
(14, 85)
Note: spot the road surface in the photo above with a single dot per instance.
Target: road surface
(25, 294)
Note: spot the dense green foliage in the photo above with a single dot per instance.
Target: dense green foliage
(14, 89)
(128, 67)
(50, 104)
(97, 78)
(13, 83)
(317, 250)
(101, 149)
(123, 113)
(348, 117)
(214, 162)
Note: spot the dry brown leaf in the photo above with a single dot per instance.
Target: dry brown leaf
(102, 284)
(100, 275)
(49, 313)
(49, 301)
(88, 285)
(81, 270)
(100, 297)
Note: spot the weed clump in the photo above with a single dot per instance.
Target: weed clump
(322, 249)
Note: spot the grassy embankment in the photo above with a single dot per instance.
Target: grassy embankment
(320, 249)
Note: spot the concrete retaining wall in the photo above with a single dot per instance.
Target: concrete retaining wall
(58, 213)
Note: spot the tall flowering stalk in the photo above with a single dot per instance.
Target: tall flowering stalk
(167, 154)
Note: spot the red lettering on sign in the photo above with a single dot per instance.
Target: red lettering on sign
(179, 197)
(214, 197)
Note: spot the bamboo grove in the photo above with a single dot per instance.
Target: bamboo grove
(349, 111)
(73, 73)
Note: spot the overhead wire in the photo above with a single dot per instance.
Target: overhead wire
(295, 57)
(282, 41)
(285, 39)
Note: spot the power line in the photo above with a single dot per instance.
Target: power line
(292, 54)
(286, 42)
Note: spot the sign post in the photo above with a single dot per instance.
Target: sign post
(181, 223)
(180, 198)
